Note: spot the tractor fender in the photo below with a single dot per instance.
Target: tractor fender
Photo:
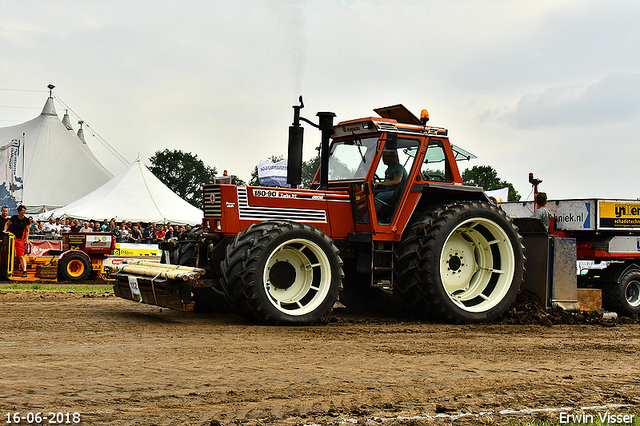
(80, 252)
(436, 193)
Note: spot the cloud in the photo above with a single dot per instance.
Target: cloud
(613, 99)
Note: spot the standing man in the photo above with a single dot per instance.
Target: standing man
(4, 216)
(19, 226)
(160, 234)
(542, 212)
(75, 225)
(49, 229)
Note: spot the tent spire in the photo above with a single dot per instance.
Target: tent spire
(49, 109)
(66, 120)
(81, 132)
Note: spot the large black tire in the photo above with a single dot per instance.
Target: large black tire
(74, 267)
(459, 263)
(282, 273)
(207, 299)
(623, 296)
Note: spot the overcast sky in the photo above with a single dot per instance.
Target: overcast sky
(549, 87)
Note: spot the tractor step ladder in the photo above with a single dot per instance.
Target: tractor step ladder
(382, 264)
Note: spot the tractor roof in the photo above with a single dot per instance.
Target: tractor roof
(396, 118)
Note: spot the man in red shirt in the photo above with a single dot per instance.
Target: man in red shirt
(160, 234)
(19, 225)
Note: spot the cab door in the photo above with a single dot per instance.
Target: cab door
(387, 200)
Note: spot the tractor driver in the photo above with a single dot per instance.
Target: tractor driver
(385, 192)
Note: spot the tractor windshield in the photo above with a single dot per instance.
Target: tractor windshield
(351, 159)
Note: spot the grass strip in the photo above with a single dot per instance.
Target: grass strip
(58, 288)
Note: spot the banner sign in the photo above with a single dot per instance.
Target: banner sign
(619, 215)
(12, 170)
(42, 247)
(139, 250)
(273, 174)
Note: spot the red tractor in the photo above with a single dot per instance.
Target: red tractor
(386, 217)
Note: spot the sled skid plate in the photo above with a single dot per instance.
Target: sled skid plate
(159, 292)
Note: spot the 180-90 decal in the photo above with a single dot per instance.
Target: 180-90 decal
(269, 193)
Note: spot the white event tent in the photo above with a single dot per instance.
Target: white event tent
(45, 164)
(136, 194)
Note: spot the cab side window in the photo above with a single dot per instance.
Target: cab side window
(435, 168)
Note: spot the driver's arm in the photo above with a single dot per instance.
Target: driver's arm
(393, 182)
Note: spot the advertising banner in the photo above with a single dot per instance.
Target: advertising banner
(273, 174)
(131, 249)
(619, 215)
(569, 215)
(11, 167)
(41, 247)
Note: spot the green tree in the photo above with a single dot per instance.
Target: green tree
(183, 172)
(487, 178)
(309, 169)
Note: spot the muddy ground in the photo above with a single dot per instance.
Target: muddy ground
(117, 362)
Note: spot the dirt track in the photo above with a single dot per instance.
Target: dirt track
(119, 363)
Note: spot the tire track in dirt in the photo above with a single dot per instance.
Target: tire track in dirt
(118, 362)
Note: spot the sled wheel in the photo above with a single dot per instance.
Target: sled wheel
(282, 273)
(74, 267)
(460, 263)
(623, 296)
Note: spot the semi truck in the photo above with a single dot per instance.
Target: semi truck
(607, 235)
(287, 255)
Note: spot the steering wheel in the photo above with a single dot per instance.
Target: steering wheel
(376, 178)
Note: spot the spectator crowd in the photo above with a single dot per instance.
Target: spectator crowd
(124, 232)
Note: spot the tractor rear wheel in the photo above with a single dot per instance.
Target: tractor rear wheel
(461, 263)
(282, 273)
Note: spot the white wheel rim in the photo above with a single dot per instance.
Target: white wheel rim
(632, 293)
(477, 265)
(300, 284)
